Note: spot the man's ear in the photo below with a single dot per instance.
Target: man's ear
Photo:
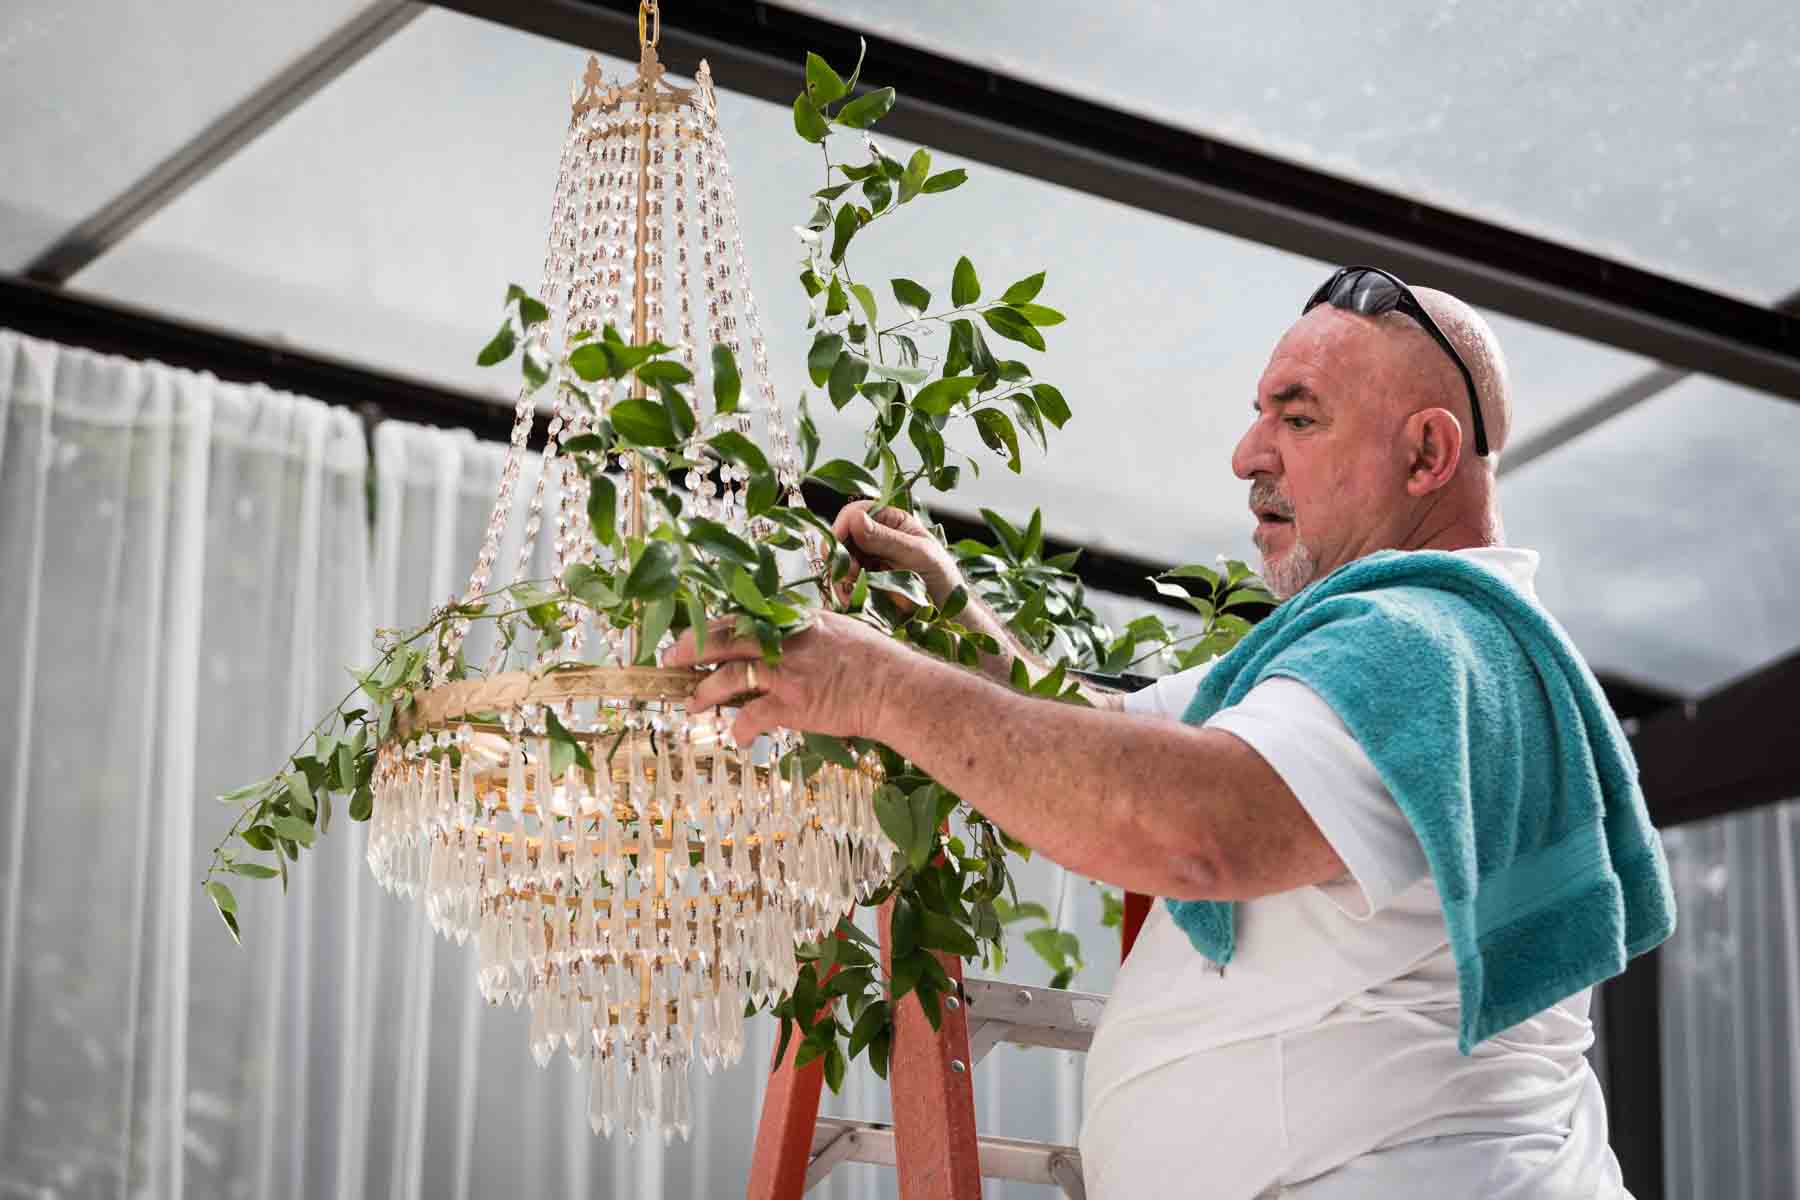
(1434, 440)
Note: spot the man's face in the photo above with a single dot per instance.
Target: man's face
(1324, 454)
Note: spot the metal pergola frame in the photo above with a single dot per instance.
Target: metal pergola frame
(1723, 753)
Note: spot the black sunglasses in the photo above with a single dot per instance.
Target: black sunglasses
(1372, 291)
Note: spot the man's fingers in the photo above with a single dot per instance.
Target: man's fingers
(731, 682)
(849, 517)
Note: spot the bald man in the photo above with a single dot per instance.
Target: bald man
(1323, 1063)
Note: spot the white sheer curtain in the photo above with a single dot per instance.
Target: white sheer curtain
(184, 562)
(1731, 1008)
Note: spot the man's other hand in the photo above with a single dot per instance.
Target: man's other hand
(889, 539)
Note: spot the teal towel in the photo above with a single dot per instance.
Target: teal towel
(1496, 742)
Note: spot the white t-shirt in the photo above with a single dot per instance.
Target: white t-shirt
(1322, 1063)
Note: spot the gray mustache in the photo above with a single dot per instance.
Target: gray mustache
(1265, 495)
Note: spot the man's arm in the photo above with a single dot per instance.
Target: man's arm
(1153, 806)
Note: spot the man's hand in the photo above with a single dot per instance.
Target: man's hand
(889, 539)
(834, 678)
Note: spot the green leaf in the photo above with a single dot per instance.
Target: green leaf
(847, 478)
(653, 575)
(822, 83)
(901, 583)
(879, 192)
(940, 395)
(499, 349)
(809, 437)
(761, 494)
(914, 300)
(945, 180)
(734, 447)
(362, 804)
(899, 819)
(1008, 913)
(808, 123)
(727, 383)
(873, 1020)
(603, 508)
(658, 615)
(294, 830)
(866, 109)
(531, 309)
(1038, 315)
(910, 376)
(565, 750)
(746, 593)
(1023, 291)
(257, 837)
(226, 904)
(843, 227)
(1051, 404)
(593, 361)
(829, 748)
(996, 429)
(720, 542)
(240, 794)
(836, 301)
(917, 168)
(221, 896)
(864, 299)
(664, 370)
(835, 1066)
(965, 288)
(846, 374)
(643, 422)
(681, 416)
(823, 356)
(253, 870)
(1009, 324)
(299, 791)
(938, 932)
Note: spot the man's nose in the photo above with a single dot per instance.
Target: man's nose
(1255, 453)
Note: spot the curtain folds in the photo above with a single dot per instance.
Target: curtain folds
(1731, 1008)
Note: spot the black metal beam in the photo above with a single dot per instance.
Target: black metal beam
(1620, 400)
(1729, 751)
(221, 138)
(758, 49)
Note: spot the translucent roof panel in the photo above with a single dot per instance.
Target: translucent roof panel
(1665, 135)
(95, 94)
(382, 221)
(1671, 535)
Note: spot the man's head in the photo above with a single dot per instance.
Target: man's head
(1363, 439)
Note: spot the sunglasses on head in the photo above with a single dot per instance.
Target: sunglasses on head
(1371, 291)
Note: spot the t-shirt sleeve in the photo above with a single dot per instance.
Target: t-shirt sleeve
(1169, 696)
(1308, 745)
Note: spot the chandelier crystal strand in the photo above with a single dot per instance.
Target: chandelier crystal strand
(633, 895)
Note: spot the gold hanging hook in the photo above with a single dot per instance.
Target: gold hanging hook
(649, 23)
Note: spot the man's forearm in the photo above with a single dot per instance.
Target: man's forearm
(1111, 797)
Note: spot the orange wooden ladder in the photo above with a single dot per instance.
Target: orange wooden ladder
(932, 1142)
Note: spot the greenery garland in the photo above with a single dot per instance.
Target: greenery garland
(951, 884)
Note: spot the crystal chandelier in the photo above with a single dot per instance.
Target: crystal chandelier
(638, 906)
